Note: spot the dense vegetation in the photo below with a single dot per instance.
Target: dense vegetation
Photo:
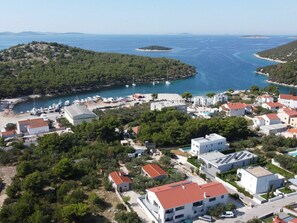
(43, 68)
(155, 48)
(170, 127)
(285, 72)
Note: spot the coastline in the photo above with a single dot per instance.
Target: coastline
(146, 50)
(282, 84)
(266, 58)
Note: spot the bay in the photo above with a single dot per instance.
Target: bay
(222, 62)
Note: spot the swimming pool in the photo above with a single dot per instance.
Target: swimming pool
(293, 153)
(186, 149)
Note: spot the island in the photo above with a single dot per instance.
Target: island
(51, 68)
(154, 48)
(255, 37)
(285, 71)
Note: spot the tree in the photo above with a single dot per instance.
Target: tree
(254, 89)
(63, 169)
(187, 95)
(33, 182)
(230, 90)
(10, 127)
(74, 212)
(126, 199)
(127, 217)
(254, 220)
(154, 96)
(24, 168)
(210, 94)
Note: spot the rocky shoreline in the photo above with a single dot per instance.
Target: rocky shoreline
(266, 58)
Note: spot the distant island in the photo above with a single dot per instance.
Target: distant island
(255, 37)
(51, 68)
(154, 48)
(285, 72)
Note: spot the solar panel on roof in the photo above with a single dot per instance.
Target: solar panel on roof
(243, 156)
(248, 155)
(219, 160)
(238, 155)
(230, 158)
(227, 157)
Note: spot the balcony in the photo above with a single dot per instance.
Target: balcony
(169, 215)
(150, 206)
(197, 208)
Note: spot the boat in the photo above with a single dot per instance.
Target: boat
(167, 82)
(67, 103)
(133, 83)
(153, 82)
(127, 85)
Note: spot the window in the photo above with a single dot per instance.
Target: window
(179, 208)
(179, 216)
(169, 211)
(212, 199)
(198, 203)
(222, 196)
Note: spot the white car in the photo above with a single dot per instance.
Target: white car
(227, 214)
(206, 218)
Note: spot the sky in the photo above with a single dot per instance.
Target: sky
(270, 17)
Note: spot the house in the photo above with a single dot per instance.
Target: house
(135, 129)
(264, 98)
(77, 114)
(217, 162)
(268, 119)
(288, 116)
(273, 106)
(8, 134)
(181, 200)
(236, 109)
(288, 100)
(208, 101)
(290, 133)
(257, 180)
(207, 144)
(159, 105)
(120, 181)
(273, 129)
(153, 171)
(32, 126)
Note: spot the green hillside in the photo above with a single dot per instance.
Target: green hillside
(50, 68)
(285, 73)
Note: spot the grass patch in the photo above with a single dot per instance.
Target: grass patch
(287, 190)
(271, 195)
(276, 169)
(194, 161)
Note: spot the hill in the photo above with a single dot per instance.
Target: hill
(52, 68)
(283, 73)
(154, 48)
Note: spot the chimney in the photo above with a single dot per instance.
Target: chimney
(204, 195)
(183, 186)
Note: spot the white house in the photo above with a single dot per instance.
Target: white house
(273, 106)
(236, 109)
(207, 101)
(288, 100)
(288, 116)
(159, 105)
(257, 180)
(268, 119)
(178, 201)
(217, 162)
(77, 114)
(120, 181)
(273, 129)
(32, 126)
(207, 144)
(264, 99)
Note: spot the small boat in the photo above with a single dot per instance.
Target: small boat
(167, 82)
(127, 85)
(153, 82)
(133, 84)
(158, 82)
(66, 103)
(76, 101)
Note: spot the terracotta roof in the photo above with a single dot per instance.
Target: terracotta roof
(276, 219)
(153, 170)
(288, 97)
(272, 116)
(238, 105)
(7, 133)
(291, 113)
(274, 104)
(292, 130)
(119, 177)
(293, 220)
(34, 123)
(185, 192)
(135, 129)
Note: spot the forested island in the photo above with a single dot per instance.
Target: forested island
(254, 36)
(52, 68)
(154, 48)
(285, 72)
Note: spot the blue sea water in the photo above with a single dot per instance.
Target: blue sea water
(222, 62)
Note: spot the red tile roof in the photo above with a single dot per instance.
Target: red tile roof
(292, 130)
(291, 113)
(119, 177)
(34, 123)
(276, 219)
(238, 105)
(153, 170)
(288, 97)
(135, 129)
(293, 221)
(274, 104)
(8, 133)
(185, 192)
(272, 116)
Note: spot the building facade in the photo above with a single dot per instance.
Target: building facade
(120, 181)
(77, 114)
(235, 109)
(208, 101)
(177, 105)
(257, 180)
(32, 126)
(288, 100)
(181, 200)
(211, 142)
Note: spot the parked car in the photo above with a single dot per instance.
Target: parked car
(206, 218)
(228, 214)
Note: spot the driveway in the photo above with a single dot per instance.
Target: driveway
(134, 205)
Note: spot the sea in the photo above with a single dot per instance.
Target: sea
(222, 62)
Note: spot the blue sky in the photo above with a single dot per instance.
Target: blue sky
(150, 16)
